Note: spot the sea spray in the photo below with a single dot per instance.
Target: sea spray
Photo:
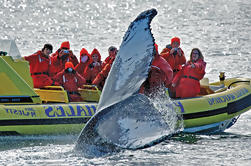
(170, 114)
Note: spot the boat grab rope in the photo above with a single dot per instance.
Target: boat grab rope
(229, 86)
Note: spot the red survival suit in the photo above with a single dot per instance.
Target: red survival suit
(66, 45)
(71, 81)
(99, 81)
(161, 74)
(58, 64)
(39, 66)
(107, 60)
(175, 61)
(58, 61)
(91, 70)
(80, 68)
(111, 56)
(187, 80)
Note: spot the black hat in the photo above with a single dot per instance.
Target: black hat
(48, 46)
(112, 48)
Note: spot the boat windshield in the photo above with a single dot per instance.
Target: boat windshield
(10, 47)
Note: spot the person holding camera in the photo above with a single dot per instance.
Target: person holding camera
(60, 57)
(174, 55)
(39, 67)
(71, 81)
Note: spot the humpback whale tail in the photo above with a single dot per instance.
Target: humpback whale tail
(125, 118)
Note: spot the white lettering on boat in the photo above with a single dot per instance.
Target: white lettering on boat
(229, 97)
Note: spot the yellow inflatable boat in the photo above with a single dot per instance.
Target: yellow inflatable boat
(218, 107)
(28, 111)
(25, 110)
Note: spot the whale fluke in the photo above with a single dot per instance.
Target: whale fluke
(125, 118)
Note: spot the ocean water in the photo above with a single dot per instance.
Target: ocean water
(221, 29)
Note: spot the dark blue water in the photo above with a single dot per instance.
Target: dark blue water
(221, 29)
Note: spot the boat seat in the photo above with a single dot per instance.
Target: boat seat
(206, 88)
(52, 94)
(59, 94)
(90, 93)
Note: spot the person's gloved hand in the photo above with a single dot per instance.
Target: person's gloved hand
(64, 54)
(61, 53)
(96, 64)
(179, 52)
(71, 54)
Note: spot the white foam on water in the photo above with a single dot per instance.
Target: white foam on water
(170, 113)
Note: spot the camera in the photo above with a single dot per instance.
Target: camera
(64, 56)
(66, 51)
(70, 70)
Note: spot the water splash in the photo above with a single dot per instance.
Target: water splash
(170, 114)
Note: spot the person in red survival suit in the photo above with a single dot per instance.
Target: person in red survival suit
(99, 80)
(174, 55)
(93, 69)
(112, 54)
(85, 60)
(71, 81)
(187, 81)
(39, 66)
(159, 77)
(60, 57)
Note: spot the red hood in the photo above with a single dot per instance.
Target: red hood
(95, 51)
(84, 51)
(69, 65)
(65, 44)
